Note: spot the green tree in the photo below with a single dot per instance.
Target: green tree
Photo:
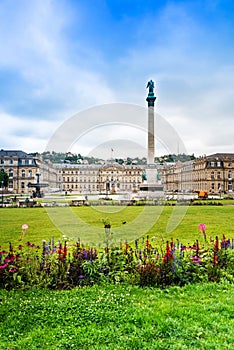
(3, 176)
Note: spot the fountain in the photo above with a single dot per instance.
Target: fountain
(37, 186)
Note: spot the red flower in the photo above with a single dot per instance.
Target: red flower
(216, 245)
(215, 259)
(168, 256)
(65, 250)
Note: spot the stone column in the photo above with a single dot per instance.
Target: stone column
(151, 141)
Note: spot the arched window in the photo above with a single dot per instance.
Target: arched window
(23, 173)
(30, 173)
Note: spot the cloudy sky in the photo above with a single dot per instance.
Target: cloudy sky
(61, 57)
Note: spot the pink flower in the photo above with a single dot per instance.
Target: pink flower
(202, 227)
(13, 270)
(24, 226)
(9, 259)
(3, 266)
(196, 259)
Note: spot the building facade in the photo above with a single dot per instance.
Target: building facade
(213, 174)
(22, 168)
(99, 179)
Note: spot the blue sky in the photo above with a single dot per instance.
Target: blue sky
(61, 57)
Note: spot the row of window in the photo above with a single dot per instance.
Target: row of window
(23, 173)
(219, 175)
(106, 173)
(80, 172)
(101, 179)
(220, 188)
(21, 161)
(93, 187)
(200, 176)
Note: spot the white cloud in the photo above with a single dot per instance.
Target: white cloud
(36, 48)
(28, 135)
(63, 74)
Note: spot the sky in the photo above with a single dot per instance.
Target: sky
(60, 58)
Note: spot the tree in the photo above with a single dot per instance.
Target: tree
(5, 178)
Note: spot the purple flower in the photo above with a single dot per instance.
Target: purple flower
(85, 255)
(81, 276)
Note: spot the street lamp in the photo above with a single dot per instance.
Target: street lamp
(107, 186)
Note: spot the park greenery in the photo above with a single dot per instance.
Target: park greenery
(143, 290)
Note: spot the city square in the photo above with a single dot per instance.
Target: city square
(116, 175)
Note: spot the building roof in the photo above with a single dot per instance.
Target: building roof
(14, 153)
(220, 156)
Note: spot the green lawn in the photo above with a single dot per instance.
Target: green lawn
(119, 317)
(86, 222)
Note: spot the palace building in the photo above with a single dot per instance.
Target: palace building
(213, 174)
(108, 178)
(22, 168)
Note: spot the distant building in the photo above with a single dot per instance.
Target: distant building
(213, 173)
(108, 178)
(22, 169)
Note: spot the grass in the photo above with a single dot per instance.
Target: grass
(119, 317)
(86, 223)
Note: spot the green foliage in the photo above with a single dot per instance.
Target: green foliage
(171, 158)
(3, 176)
(53, 157)
(72, 158)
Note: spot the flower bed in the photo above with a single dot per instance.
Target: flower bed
(144, 263)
